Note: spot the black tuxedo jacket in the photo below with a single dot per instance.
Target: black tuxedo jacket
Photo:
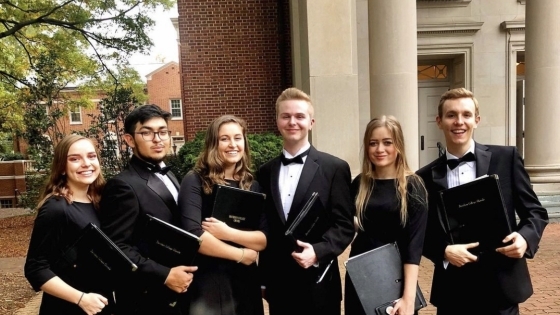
(126, 200)
(495, 276)
(288, 286)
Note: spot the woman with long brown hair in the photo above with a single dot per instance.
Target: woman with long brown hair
(226, 281)
(391, 206)
(67, 204)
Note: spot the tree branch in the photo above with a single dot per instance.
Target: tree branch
(15, 79)
(19, 25)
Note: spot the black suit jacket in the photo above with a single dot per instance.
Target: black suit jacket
(126, 200)
(286, 282)
(495, 276)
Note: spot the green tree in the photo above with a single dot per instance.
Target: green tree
(107, 30)
(86, 37)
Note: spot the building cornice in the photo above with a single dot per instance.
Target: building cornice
(421, 4)
(455, 28)
(513, 26)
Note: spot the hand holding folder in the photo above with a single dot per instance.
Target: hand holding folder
(169, 245)
(378, 277)
(475, 212)
(305, 222)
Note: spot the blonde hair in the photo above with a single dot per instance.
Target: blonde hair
(294, 94)
(404, 174)
(209, 164)
(57, 184)
(454, 94)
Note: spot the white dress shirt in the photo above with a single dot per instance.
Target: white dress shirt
(288, 179)
(168, 183)
(463, 173)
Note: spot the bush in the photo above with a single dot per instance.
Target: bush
(263, 147)
(34, 185)
(11, 156)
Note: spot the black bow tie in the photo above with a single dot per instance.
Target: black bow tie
(453, 163)
(298, 159)
(161, 170)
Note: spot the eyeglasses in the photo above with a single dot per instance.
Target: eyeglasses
(150, 135)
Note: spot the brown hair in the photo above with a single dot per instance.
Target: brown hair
(454, 94)
(57, 184)
(294, 94)
(404, 174)
(209, 164)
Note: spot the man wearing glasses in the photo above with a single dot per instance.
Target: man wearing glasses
(145, 187)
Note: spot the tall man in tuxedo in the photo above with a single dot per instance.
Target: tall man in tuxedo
(495, 282)
(290, 277)
(144, 187)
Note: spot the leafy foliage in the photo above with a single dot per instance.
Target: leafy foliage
(108, 129)
(103, 30)
(11, 156)
(188, 154)
(264, 147)
(84, 38)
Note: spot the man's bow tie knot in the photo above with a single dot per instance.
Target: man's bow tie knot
(453, 163)
(298, 159)
(161, 170)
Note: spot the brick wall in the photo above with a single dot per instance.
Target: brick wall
(12, 177)
(235, 59)
(164, 85)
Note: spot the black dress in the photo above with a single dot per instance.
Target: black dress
(57, 226)
(382, 225)
(220, 286)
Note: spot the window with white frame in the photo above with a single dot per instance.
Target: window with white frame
(176, 109)
(76, 115)
(6, 203)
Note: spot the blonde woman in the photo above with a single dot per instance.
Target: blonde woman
(391, 206)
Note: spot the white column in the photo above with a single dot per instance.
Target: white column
(542, 105)
(393, 67)
(325, 66)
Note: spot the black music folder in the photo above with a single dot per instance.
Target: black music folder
(169, 245)
(475, 212)
(95, 250)
(378, 277)
(238, 208)
(311, 217)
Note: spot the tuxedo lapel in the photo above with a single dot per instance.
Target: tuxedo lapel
(275, 188)
(483, 157)
(173, 180)
(158, 186)
(307, 174)
(439, 172)
(155, 184)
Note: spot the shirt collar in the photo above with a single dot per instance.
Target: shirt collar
(303, 149)
(451, 156)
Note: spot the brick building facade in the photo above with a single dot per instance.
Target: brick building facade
(164, 90)
(12, 181)
(235, 58)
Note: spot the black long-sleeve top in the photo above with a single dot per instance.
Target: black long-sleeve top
(57, 226)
